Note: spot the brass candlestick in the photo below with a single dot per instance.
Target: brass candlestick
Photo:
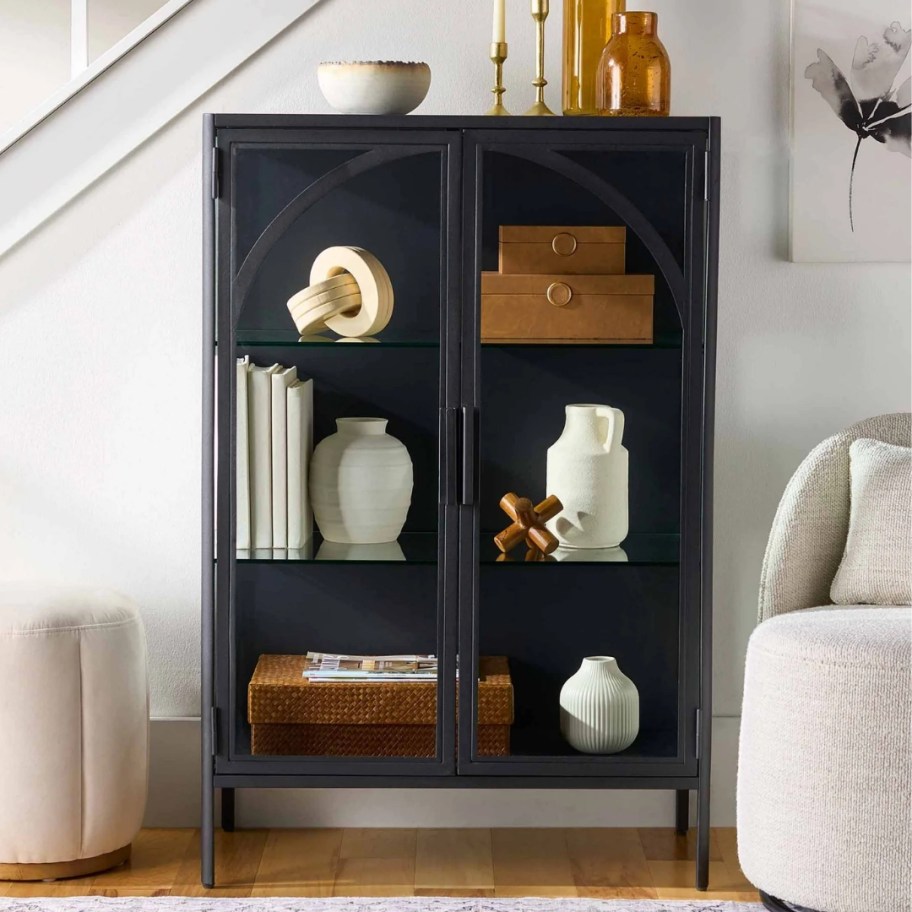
(539, 14)
(498, 56)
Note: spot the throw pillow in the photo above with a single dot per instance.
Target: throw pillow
(876, 567)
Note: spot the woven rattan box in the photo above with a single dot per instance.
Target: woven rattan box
(289, 715)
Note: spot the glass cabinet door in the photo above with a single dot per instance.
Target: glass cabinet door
(368, 575)
(634, 608)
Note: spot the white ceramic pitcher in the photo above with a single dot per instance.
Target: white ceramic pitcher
(587, 470)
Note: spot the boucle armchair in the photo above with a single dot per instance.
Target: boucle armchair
(825, 766)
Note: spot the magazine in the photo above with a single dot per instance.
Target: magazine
(322, 666)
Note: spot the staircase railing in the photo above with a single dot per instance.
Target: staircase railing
(82, 72)
(96, 128)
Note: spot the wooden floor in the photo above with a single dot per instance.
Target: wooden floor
(602, 863)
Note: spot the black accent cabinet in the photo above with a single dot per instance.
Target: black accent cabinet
(427, 195)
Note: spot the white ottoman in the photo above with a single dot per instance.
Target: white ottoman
(825, 768)
(74, 722)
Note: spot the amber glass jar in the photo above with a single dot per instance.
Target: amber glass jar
(587, 29)
(634, 74)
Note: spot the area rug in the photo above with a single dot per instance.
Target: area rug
(353, 904)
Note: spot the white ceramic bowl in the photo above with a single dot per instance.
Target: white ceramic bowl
(374, 86)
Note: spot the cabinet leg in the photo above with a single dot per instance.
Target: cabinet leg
(207, 834)
(703, 836)
(682, 811)
(228, 810)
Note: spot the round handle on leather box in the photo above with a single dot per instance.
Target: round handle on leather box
(564, 244)
(559, 294)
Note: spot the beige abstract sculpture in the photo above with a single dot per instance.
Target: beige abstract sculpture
(350, 293)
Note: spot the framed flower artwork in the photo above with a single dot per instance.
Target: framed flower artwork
(851, 171)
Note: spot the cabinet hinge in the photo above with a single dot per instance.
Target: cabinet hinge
(698, 731)
(706, 175)
(216, 173)
(213, 731)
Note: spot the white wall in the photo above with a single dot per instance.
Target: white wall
(111, 20)
(34, 54)
(100, 323)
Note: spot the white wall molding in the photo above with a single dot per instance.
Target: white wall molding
(174, 796)
(123, 107)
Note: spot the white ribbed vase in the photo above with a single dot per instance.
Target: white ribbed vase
(360, 483)
(599, 708)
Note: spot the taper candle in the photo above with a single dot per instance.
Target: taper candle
(500, 30)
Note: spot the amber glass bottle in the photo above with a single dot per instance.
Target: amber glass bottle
(634, 74)
(587, 29)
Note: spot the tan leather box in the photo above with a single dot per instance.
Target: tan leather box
(546, 249)
(566, 308)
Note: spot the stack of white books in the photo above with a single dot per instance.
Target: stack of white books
(274, 444)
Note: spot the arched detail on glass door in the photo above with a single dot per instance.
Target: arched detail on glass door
(312, 194)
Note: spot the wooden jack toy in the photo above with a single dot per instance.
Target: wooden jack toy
(528, 525)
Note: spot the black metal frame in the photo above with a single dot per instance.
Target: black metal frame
(527, 144)
(230, 298)
(462, 139)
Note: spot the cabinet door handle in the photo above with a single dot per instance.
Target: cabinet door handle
(467, 461)
(451, 469)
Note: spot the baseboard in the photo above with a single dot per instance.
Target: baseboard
(174, 796)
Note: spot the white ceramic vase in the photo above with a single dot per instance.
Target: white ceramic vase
(360, 483)
(599, 708)
(587, 471)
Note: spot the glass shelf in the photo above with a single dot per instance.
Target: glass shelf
(412, 548)
(543, 742)
(280, 338)
(661, 340)
(638, 549)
